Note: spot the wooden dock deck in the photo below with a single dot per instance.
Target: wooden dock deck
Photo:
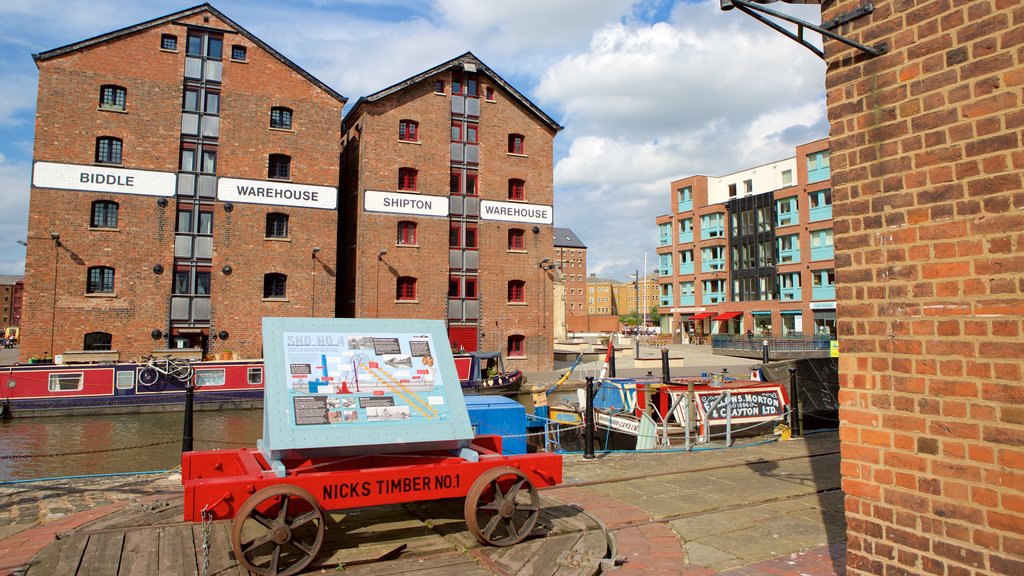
(151, 538)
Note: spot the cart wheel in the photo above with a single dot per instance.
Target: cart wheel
(278, 531)
(502, 507)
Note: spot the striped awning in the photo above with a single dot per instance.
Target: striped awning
(793, 312)
(761, 313)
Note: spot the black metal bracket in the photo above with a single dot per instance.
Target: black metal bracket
(758, 12)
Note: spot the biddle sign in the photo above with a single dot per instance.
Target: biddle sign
(103, 179)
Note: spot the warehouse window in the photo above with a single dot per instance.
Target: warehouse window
(516, 189)
(104, 214)
(406, 233)
(100, 280)
(169, 42)
(405, 288)
(516, 345)
(97, 341)
(113, 97)
(280, 167)
(275, 285)
(238, 53)
(408, 131)
(108, 150)
(516, 239)
(407, 178)
(516, 144)
(281, 117)
(277, 225)
(516, 291)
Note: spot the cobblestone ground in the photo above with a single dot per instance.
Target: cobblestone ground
(27, 504)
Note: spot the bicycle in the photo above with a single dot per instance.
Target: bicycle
(176, 368)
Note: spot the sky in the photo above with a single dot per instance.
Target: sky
(648, 91)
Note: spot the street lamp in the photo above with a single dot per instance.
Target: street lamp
(55, 236)
(376, 306)
(312, 304)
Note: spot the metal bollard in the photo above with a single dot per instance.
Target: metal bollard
(665, 376)
(611, 363)
(794, 405)
(588, 434)
(186, 433)
(764, 352)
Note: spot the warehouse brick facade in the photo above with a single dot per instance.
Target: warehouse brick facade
(163, 153)
(927, 169)
(447, 191)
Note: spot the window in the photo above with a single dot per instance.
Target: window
(456, 238)
(407, 178)
(787, 177)
(238, 53)
(108, 150)
(516, 346)
(214, 45)
(489, 93)
(465, 132)
(100, 281)
(406, 232)
(96, 341)
(454, 287)
(65, 382)
(279, 167)
(439, 86)
(748, 186)
(516, 239)
(169, 42)
(516, 291)
(516, 189)
(515, 144)
(405, 288)
(281, 117)
(113, 97)
(181, 282)
(275, 285)
(732, 190)
(255, 376)
(104, 214)
(277, 225)
(210, 377)
(202, 283)
(470, 288)
(457, 179)
(408, 131)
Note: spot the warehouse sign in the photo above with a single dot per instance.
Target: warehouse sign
(516, 212)
(103, 179)
(277, 193)
(398, 203)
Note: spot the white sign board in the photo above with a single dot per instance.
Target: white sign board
(397, 203)
(277, 193)
(516, 212)
(103, 179)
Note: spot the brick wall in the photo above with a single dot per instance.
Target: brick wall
(927, 172)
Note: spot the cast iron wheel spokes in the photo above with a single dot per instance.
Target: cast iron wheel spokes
(502, 507)
(278, 531)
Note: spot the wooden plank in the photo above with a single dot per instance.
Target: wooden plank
(177, 553)
(103, 554)
(44, 563)
(441, 565)
(140, 554)
(71, 554)
(221, 562)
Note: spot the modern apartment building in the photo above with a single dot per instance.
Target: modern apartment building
(447, 195)
(751, 250)
(184, 186)
(571, 256)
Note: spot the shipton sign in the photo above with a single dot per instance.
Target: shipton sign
(398, 203)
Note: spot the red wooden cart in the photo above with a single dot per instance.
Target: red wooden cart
(278, 522)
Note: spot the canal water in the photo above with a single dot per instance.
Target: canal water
(79, 445)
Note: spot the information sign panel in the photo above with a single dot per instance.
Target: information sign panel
(754, 404)
(355, 386)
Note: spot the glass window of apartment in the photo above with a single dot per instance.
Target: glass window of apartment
(281, 117)
(113, 97)
(406, 233)
(787, 211)
(748, 186)
(182, 283)
(684, 199)
(787, 177)
(516, 144)
(238, 53)
(202, 287)
(184, 222)
(516, 189)
(516, 346)
(209, 162)
(405, 288)
(516, 291)
(408, 130)
(789, 286)
(275, 285)
(104, 214)
(732, 190)
(97, 341)
(712, 226)
(277, 225)
(279, 167)
(205, 221)
(100, 280)
(169, 42)
(820, 198)
(516, 239)
(818, 166)
(108, 150)
(788, 249)
(407, 178)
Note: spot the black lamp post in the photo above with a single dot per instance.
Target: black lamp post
(312, 304)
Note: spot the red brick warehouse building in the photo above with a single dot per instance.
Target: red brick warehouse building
(184, 186)
(453, 157)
